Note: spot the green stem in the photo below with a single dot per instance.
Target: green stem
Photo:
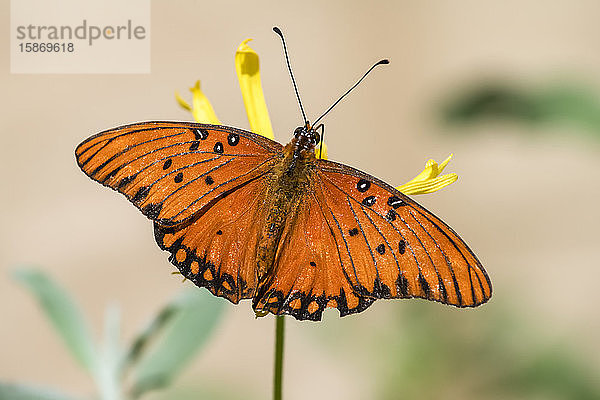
(279, 336)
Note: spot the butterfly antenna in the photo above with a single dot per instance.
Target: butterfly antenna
(349, 90)
(287, 60)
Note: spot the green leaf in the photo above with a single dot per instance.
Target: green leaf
(206, 389)
(554, 372)
(26, 392)
(63, 313)
(108, 377)
(148, 335)
(566, 103)
(197, 315)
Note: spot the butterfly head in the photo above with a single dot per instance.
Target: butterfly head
(306, 138)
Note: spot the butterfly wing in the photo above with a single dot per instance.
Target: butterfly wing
(217, 248)
(171, 170)
(308, 273)
(369, 241)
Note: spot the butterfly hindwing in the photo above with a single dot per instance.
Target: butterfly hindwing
(217, 248)
(171, 170)
(308, 274)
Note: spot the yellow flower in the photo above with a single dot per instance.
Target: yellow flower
(201, 109)
(429, 180)
(248, 72)
(247, 68)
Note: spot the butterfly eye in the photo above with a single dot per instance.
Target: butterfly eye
(317, 138)
(298, 131)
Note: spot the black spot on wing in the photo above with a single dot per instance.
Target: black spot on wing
(209, 180)
(218, 148)
(125, 181)
(391, 215)
(381, 290)
(141, 194)
(342, 304)
(178, 177)
(353, 231)
(167, 164)
(395, 202)
(401, 246)
(402, 285)
(111, 174)
(369, 201)
(226, 284)
(200, 134)
(425, 286)
(443, 291)
(233, 139)
(152, 210)
(363, 185)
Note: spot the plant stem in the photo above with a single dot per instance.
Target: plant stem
(279, 336)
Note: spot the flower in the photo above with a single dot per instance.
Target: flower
(429, 181)
(248, 72)
(201, 109)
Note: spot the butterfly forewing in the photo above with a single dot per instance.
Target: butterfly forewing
(171, 170)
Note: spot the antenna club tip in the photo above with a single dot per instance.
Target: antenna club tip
(384, 61)
(277, 30)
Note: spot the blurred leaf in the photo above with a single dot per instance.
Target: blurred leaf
(492, 353)
(205, 389)
(150, 333)
(63, 313)
(492, 101)
(109, 376)
(556, 373)
(572, 104)
(26, 392)
(196, 317)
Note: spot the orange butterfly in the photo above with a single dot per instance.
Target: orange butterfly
(248, 218)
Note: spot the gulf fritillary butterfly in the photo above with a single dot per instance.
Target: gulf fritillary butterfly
(247, 218)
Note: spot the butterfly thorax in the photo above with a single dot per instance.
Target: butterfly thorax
(290, 181)
(304, 141)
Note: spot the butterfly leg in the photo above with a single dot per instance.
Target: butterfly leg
(266, 299)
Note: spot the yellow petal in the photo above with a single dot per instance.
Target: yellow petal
(429, 185)
(202, 110)
(429, 181)
(444, 163)
(184, 104)
(321, 154)
(247, 67)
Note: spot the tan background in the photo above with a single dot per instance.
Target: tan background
(526, 200)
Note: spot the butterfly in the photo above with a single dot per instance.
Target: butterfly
(248, 218)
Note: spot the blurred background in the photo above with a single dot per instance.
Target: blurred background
(511, 88)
